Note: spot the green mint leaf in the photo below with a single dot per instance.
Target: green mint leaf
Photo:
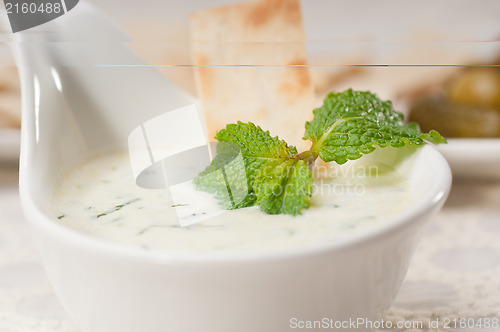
(257, 146)
(226, 178)
(243, 150)
(284, 187)
(351, 123)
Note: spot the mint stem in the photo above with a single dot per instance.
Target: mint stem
(308, 156)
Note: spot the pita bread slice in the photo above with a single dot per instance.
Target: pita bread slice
(244, 52)
(10, 98)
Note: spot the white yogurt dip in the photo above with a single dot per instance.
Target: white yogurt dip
(99, 197)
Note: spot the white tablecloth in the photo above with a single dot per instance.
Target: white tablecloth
(454, 276)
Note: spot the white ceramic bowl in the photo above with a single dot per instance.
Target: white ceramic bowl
(108, 287)
(71, 109)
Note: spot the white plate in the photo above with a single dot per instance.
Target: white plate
(478, 157)
(9, 144)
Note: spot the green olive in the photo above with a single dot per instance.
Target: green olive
(455, 120)
(476, 86)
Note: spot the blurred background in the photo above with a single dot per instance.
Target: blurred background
(404, 51)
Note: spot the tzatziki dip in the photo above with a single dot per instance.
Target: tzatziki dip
(99, 197)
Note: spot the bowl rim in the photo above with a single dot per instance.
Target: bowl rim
(436, 196)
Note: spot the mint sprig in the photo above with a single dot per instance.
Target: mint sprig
(253, 168)
(352, 123)
(260, 156)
